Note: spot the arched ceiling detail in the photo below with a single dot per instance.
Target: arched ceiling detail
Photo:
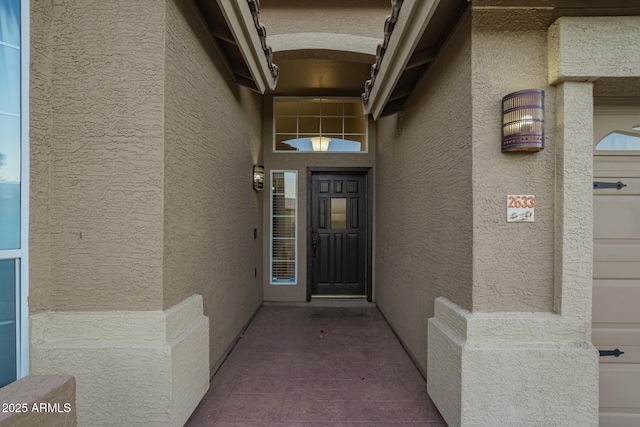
(345, 47)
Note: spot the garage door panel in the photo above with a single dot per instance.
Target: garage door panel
(616, 301)
(615, 335)
(616, 167)
(616, 419)
(616, 270)
(617, 250)
(616, 217)
(616, 259)
(619, 386)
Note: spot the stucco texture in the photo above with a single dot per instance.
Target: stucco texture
(355, 17)
(574, 201)
(212, 130)
(578, 41)
(512, 262)
(97, 136)
(40, 146)
(423, 197)
(511, 369)
(142, 149)
(135, 368)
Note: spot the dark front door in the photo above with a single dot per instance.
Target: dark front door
(338, 234)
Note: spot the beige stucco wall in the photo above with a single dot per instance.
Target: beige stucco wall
(142, 153)
(299, 162)
(40, 145)
(359, 17)
(423, 198)
(132, 368)
(512, 263)
(577, 41)
(212, 140)
(97, 136)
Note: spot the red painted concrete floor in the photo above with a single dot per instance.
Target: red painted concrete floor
(318, 367)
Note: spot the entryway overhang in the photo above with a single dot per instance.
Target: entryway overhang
(413, 34)
(343, 47)
(322, 64)
(235, 26)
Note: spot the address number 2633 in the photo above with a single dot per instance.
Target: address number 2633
(521, 202)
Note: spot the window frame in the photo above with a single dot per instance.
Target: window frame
(342, 98)
(21, 256)
(615, 107)
(295, 235)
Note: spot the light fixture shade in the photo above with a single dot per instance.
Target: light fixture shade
(523, 121)
(258, 177)
(320, 143)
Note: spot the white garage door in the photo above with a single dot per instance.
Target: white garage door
(616, 261)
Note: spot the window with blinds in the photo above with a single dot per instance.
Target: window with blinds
(284, 227)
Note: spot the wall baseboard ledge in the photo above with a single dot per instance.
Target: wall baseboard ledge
(134, 368)
(520, 369)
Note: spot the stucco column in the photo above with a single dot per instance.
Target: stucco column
(526, 368)
(574, 202)
(97, 310)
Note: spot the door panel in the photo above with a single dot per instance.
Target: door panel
(616, 274)
(339, 230)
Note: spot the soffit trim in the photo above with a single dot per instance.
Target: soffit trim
(403, 30)
(250, 36)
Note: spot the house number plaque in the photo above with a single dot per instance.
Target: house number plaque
(520, 208)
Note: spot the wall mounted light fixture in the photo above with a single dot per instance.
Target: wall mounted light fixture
(523, 121)
(258, 177)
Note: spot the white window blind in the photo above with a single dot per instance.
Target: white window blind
(284, 227)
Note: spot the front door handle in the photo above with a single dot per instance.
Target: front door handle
(314, 243)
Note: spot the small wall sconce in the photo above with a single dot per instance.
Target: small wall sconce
(258, 177)
(523, 121)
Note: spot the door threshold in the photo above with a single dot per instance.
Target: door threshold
(338, 297)
(340, 302)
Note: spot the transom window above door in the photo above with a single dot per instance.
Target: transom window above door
(319, 125)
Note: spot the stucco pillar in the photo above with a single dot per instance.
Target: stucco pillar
(135, 368)
(574, 202)
(97, 310)
(539, 367)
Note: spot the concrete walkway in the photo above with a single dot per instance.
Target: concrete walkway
(318, 367)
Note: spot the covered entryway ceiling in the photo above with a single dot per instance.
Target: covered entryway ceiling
(321, 77)
(236, 27)
(319, 61)
(324, 48)
(415, 34)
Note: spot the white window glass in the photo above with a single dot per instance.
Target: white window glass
(9, 182)
(8, 367)
(319, 125)
(10, 158)
(618, 141)
(10, 22)
(284, 207)
(14, 161)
